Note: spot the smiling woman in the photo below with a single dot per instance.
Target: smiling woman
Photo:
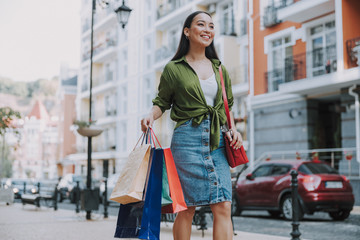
(190, 86)
(38, 35)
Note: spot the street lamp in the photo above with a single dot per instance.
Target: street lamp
(123, 13)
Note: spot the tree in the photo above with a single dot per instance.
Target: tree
(7, 124)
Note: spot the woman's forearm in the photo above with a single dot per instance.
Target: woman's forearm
(156, 112)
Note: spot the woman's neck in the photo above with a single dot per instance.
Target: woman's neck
(195, 55)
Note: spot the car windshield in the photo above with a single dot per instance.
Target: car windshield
(317, 168)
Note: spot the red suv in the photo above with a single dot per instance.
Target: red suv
(320, 188)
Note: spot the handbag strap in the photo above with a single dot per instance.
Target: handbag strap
(226, 104)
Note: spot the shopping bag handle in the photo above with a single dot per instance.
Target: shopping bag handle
(143, 135)
(153, 134)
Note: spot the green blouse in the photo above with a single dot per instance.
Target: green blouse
(180, 90)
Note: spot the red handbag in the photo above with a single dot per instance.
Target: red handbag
(234, 157)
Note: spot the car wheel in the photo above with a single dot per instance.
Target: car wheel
(274, 214)
(286, 208)
(340, 215)
(235, 208)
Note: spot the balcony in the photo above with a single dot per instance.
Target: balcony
(353, 52)
(227, 26)
(163, 53)
(243, 27)
(170, 6)
(301, 11)
(99, 48)
(314, 63)
(270, 16)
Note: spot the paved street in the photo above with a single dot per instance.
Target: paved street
(318, 226)
(27, 222)
(66, 224)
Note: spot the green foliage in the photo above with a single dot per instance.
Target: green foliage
(7, 117)
(83, 124)
(28, 89)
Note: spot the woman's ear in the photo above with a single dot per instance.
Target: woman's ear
(186, 32)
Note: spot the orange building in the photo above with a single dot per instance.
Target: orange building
(302, 70)
(67, 114)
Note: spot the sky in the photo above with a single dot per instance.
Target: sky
(36, 36)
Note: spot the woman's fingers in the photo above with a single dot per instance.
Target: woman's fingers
(236, 140)
(146, 123)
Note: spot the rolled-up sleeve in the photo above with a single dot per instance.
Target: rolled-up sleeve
(227, 82)
(164, 97)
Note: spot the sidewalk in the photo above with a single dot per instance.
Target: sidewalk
(27, 222)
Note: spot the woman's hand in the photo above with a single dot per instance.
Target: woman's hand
(236, 140)
(147, 122)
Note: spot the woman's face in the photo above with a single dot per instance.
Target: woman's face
(201, 31)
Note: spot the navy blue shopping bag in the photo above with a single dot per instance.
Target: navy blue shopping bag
(129, 216)
(129, 220)
(151, 216)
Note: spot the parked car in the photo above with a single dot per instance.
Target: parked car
(67, 186)
(18, 186)
(45, 188)
(111, 181)
(320, 188)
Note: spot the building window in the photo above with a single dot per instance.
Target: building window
(323, 49)
(110, 105)
(280, 59)
(123, 136)
(227, 19)
(109, 73)
(147, 92)
(173, 40)
(148, 53)
(123, 100)
(124, 64)
(148, 14)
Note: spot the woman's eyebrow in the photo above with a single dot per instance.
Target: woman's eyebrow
(204, 22)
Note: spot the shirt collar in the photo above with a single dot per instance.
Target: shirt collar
(214, 61)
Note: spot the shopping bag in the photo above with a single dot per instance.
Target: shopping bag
(151, 216)
(129, 220)
(129, 187)
(165, 194)
(176, 193)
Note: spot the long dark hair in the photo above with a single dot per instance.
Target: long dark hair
(184, 44)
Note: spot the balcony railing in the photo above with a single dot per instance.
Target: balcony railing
(227, 26)
(317, 62)
(99, 48)
(163, 53)
(353, 51)
(171, 6)
(243, 27)
(270, 14)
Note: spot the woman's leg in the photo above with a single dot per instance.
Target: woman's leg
(182, 224)
(222, 225)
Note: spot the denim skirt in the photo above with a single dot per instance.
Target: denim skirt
(204, 174)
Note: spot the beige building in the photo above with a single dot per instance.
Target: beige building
(37, 153)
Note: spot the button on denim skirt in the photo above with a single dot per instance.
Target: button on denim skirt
(204, 174)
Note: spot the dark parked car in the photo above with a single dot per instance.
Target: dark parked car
(67, 186)
(320, 188)
(18, 186)
(45, 188)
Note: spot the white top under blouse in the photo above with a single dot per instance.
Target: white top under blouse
(210, 88)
